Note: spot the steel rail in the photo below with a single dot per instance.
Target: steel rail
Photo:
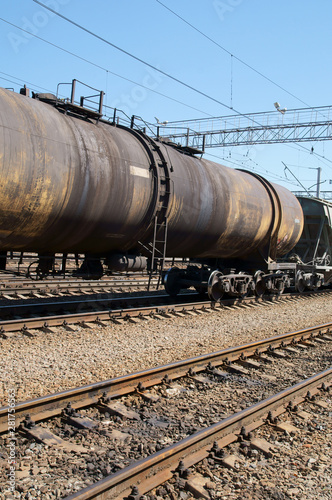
(52, 405)
(61, 286)
(154, 470)
(115, 314)
(109, 313)
(23, 324)
(70, 281)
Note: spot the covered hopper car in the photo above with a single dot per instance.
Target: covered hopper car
(74, 183)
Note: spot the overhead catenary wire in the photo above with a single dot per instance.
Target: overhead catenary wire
(309, 151)
(102, 68)
(146, 63)
(230, 53)
(134, 57)
(237, 163)
(25, 82)
(233, 56)
(168, 75)
(142, 61)
(111, 72)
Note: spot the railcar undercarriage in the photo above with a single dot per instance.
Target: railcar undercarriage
(221, 283)
(217, 282)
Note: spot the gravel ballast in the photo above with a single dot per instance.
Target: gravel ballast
(53, 362)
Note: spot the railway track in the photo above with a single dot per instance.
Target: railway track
(176, 460)
(87, 312)
(24, 289)
(157, 402)
(247, 355)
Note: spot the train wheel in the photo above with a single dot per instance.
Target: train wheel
(260, 285)
(34, 271)
(214, 289)
(172, 281)
(299, 282)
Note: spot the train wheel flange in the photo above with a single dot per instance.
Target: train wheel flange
(215, 290)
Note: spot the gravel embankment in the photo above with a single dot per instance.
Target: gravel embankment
(52, 362)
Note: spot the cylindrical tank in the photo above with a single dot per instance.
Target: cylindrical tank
(220, 212)
(70, 184)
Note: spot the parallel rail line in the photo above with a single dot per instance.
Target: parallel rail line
(184, 304)
(11, 290)
(52, 405)
(148, 473)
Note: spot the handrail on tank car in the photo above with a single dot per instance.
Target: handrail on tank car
(101, 94)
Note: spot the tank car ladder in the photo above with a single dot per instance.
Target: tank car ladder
(158, 248)
(158, 227)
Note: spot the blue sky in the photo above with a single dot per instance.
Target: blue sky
(288, 41)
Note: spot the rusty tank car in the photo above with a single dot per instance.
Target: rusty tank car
(74, 183)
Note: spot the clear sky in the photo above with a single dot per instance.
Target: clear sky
(287, 41)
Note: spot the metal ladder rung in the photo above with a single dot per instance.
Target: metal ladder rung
(161, 253)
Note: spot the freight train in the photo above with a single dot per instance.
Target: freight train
(75, 183)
